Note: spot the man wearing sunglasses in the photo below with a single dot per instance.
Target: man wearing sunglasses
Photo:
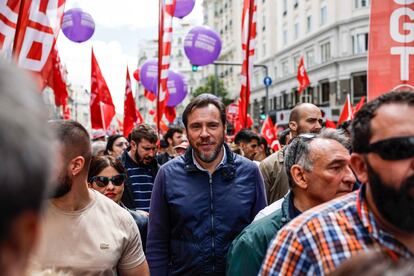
(84, 232)
(379, 216)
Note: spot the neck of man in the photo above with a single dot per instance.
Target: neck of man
(405, 238)
(211, 166)
(170, 151)
(301, 201)
(76, 199)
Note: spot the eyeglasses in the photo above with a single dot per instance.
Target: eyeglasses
(397, 148)
(103, 181)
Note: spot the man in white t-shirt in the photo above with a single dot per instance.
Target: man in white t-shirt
(85, 233)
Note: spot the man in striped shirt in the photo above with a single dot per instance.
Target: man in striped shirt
(379, 216)
(142, 167)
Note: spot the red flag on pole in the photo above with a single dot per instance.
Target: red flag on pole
(149, 95)
(55, 79)
(330, 124)
(269, 132)
(102, 107)
(130, 114)
(166, 13)
(170, 114)
(248, 42)
(347, 113)
(302, 76)
(359, 105)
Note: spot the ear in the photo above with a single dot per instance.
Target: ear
(359, 166)
(293, 126)
(76, 165)
(169, 141)
(24, 233)
(298, 175)
(133, 145)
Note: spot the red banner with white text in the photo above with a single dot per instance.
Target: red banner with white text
(391, 47)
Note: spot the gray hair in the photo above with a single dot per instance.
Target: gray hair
(298, 151)
(25, 147)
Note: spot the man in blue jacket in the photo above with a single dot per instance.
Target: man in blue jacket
(201, 201)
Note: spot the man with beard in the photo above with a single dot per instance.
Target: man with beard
(248, 142)
(84, 232)
(379, 216)
(173, 137)
(201, 201)
(142, 167)
(304, 118)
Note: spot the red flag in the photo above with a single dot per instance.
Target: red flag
(55, 79)
(302, 76)
(130, 114)
(102, 107)
(359, 105)
(248, 39)
(149, 95)
(330, 124)
(268, 130)
(170, 114)
(166, 13)
(346, 114)
(66, 112)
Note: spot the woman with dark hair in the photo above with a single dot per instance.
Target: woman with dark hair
(107, 175)
(116, 145)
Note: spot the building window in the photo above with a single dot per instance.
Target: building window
(296, 32)
(284, 7)
(285, 68)
(361, 4)
(324, 13)
(325, 92)
(310, 57)
(360, 43)
(359, 85)
(309, 23)
(285, 37)
(325, 52)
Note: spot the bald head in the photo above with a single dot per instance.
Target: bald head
(304, 118)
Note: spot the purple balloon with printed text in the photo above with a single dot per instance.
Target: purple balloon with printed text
(177, 87)
(77, 25)
(202, 45)
(183, 7)
(149, 75)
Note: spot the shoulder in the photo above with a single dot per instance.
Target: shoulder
(244, 163)
(173, 165)
(338, 211)
(114, 210)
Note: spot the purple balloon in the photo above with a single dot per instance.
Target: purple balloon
(177, 87)
(77, 25)
(149, 75)
(183, 7)
(202, 45)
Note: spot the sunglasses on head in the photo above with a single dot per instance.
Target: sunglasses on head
(103, 181)
(397, 148)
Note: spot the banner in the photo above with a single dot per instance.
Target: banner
(130, 114)
(391, 46)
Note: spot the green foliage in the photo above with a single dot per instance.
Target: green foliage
(208, 87)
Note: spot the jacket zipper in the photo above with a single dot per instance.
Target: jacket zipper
(212, 218)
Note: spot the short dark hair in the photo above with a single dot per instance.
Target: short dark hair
(361, 125)
(110, 142)
(74, 138)
(246, 136)
(171, 131)
(99, 163)
(144, 131)
(26, 148)
(204, 100)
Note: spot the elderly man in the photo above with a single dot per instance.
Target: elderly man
(304, 118)
(318, 170)
(27, 158)
(86, 233)
(201, 201)
(379, 216)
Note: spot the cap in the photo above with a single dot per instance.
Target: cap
(183, 145)
(98, 133)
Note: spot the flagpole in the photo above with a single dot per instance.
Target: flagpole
(102, 115)
(160, 52)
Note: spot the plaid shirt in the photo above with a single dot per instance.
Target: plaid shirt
(318, 241)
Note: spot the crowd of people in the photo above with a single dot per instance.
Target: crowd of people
(198, 202)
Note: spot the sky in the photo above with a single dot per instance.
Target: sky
(119, 30)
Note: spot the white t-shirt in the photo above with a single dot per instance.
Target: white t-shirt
(269, 209)
(93, 241)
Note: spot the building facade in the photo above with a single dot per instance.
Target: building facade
(331, 36)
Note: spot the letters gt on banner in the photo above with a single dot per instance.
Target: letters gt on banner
(31, 30)
(391, 46)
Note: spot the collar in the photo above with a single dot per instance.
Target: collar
(198, 166)
(289, 211)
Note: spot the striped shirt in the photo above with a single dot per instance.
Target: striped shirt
(319, 240)
(141, 182)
